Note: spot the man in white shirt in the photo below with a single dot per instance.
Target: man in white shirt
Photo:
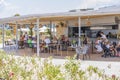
(47, 41)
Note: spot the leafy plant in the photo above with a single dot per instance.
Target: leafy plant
(34, 68)
(8, 32)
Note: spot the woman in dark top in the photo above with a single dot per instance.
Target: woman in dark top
(86, 41)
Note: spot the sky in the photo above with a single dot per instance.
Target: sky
(9, 8)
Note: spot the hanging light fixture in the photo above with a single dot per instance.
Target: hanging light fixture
(40, 25)
(62, 24)
(88, 23)
(76, 24)
(31, 25)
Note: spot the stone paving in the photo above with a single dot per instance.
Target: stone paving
(64, 54)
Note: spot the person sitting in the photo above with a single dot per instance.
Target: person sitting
(55, 40)
(86, 41)
(21, 42)
(34, 45)
(62, 39)
(47, 42)
(98, 48)
(42, 46)
(25, 37)
(118, 50)
(107, 49)
(29, 41)
(112, 50)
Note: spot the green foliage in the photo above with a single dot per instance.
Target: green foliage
(17, 15)
(8, 32)
(52, 72)
(31, 32)
(34, 68)
(49, 33)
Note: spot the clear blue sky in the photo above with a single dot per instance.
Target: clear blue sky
(23, 7)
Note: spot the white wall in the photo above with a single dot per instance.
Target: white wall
(109, 20)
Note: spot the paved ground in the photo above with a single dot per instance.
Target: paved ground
(63, 55)
(110, 68)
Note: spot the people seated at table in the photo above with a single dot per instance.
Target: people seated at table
(34, 42)
(55, 40)
(42, 46)
(109, 49)
(26, 36)
(29, 41)
(98, 48)
(64, 41)
(9, 41)
(21, 38)
(112, 50)
(34, 45)
(98, 45)
(47, 41)
(118, 50)
(21, 42)
(86, 41)
(67, 42)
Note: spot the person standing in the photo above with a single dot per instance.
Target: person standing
(103, 36)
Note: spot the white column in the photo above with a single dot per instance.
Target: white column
(16, 36)
(3, 28)
(79, 25)
(53, 29)
(38, 48)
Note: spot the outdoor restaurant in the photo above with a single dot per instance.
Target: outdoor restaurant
(59, 34)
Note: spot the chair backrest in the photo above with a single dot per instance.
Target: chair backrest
(78, 49)
(85, 49)
(82, 50)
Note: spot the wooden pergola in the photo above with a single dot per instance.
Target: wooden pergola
(38, 18)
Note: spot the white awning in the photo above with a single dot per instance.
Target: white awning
(54, 16)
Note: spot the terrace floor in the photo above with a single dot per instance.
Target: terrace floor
(63, 55)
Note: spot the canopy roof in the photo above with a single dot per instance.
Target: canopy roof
(106, 11)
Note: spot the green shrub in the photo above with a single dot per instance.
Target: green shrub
(34, 68)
